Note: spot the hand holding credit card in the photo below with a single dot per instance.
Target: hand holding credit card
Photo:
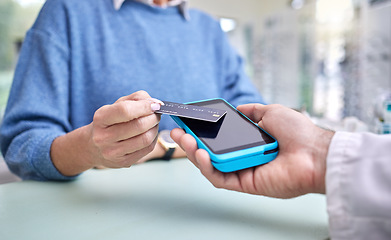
(191, 111)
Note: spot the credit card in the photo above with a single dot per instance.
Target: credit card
(190, 111)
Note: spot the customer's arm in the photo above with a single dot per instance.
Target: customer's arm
(38, 107)
(40, 139)
(44, 108)
(236, 86)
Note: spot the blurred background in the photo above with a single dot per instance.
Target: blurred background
(330, 59)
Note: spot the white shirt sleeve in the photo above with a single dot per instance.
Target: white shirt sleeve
(358, 186)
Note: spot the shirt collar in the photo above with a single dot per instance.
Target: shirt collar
(182, 5)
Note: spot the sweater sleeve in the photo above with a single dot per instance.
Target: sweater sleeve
(238, 88)
(37, 110)
(358, 186)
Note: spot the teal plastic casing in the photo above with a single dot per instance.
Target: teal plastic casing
(235, 160)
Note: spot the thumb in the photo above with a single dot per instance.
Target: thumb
(253, 111)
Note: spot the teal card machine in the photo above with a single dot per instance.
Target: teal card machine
(234, 142)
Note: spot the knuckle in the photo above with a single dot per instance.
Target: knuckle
(123, 109)
(125, 162)
(127, 165)
(150, 148)
(98, 140)
(121, 99)
(140, 124)
(142, 94)
(147, 138)
(276, 105)
(111, 154)
(101, 137)
(106, 153)
(98, 115)
(216, 185)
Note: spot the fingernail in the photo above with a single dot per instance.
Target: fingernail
(155, 106)
(156, 101)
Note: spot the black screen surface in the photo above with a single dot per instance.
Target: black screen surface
(231, 133)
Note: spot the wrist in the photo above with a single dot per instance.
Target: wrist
(167, 144)
(69, 154)
(157, 152)
(321, 148)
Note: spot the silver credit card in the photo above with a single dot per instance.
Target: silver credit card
(191, 111)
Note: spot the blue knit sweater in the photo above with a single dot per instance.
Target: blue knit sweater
(82, 54)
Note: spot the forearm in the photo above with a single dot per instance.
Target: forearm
(71, 153)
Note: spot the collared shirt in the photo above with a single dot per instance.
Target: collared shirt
(182, 5)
